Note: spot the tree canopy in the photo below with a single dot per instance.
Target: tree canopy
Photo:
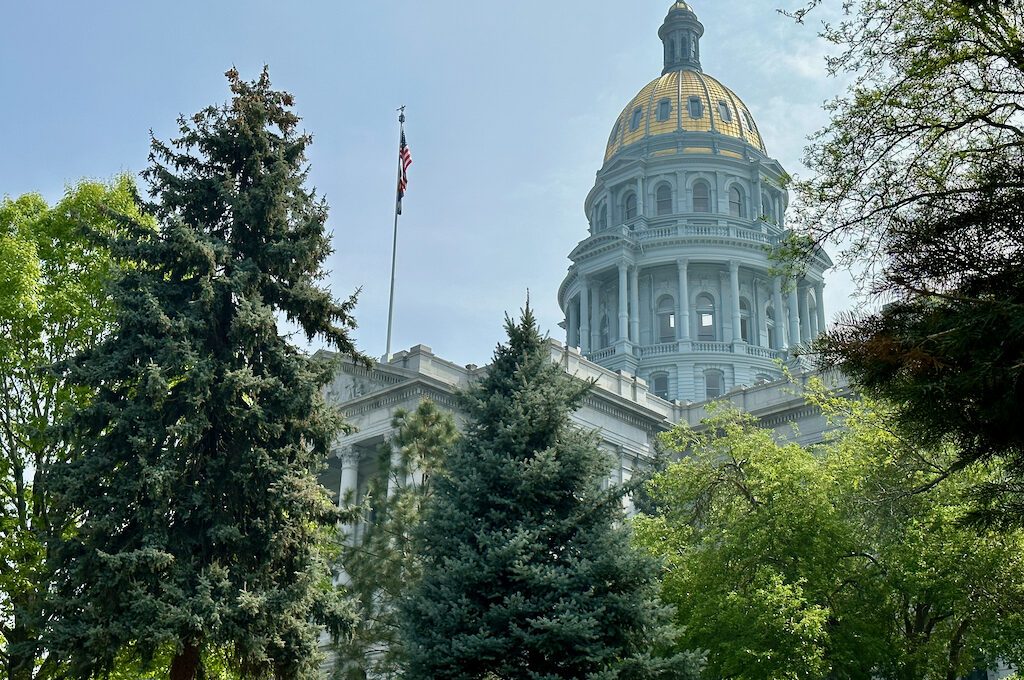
(53, 304)
(784, 562)
(917, 178)
(201, 527)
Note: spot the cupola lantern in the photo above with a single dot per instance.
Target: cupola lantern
(681, 35)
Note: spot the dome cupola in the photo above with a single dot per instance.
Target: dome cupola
(673, 282)
(681, 35)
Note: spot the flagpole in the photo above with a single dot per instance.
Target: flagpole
(394, 244)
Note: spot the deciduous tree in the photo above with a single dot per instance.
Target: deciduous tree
(918, 178)
(53, 304)
(784, 562)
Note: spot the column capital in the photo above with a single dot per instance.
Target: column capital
(682, 262)
(734, 265)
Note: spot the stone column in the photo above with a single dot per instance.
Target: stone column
(641, 200)
(780, 323)
(794, 319)
(572, 325)
(805, 322)
(683, 323)
(349, 475)
(623, 302)
(734, 292)
(756, 178)
(595, 315)
(584, 314)
(634, 303)
(819, 295)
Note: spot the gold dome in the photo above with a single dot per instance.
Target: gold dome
(720, 110)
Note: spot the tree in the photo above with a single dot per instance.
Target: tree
(379, 563)
(784, 562)
(200, 523)
(918, 177)
(527, 568)
(52, 306)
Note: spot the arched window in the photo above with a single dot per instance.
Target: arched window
(736, 202)
(629, 207)
(602, 217)
(706, 327)
(766, 209)
(701, 197)
(769, 314)
(664, 198)
(605, 339)
(745, 320)
(666, 319)
(659, 385)
(714, 383)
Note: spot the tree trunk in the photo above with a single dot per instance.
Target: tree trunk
(186, 662)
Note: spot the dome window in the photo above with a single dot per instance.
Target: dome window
(659, 383)
(714, 382)
(666, 319)
(664, 199)
(664, 110)
(745, 320)
(696, 107)
(706, 318)
(634, 122)
(701, 197)
(773, 341)
(736, 202)
(723, 112)
(750, 121)
(615, 132)
(629, 207)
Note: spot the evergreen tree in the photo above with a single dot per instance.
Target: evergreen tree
(379, 562)
(527, 567)
(192, 473)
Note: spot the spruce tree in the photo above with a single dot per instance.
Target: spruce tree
(192, 479)
(527, 568)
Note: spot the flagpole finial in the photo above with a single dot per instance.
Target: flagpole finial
(401, 114)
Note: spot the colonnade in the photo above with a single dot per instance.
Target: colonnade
(584, 313)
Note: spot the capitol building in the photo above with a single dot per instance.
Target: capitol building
(670, 299)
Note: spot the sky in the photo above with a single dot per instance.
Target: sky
(509, 106)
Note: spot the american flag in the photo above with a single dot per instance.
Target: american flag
(404, 161)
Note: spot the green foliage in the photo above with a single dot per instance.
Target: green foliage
(201, 525)
(53, 304)
(917, 177)
(527, 569)
(379, 563)
(789, 563)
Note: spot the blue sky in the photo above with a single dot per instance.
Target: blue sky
(509, 108)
